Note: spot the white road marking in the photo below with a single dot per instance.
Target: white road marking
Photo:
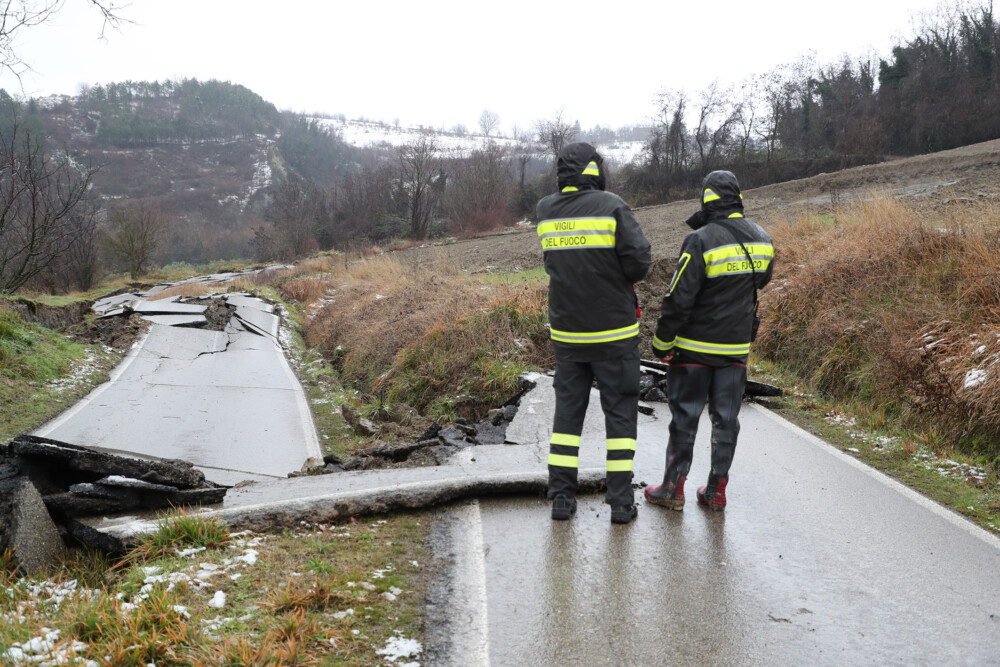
(89, 398)
(470, 641)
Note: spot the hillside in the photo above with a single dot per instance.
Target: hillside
(929, 182)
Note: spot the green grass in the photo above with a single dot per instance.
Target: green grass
(42, 373)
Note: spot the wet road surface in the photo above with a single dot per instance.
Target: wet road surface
(227, 401)
(817, 559)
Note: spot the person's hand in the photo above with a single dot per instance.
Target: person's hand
(663, 355)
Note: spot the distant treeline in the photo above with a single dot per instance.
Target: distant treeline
(938, 90)
(139, 114)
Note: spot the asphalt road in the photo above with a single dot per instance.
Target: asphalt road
(818, 559)
(227, 401)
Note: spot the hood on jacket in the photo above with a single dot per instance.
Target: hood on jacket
(720, 196)
(580, 166)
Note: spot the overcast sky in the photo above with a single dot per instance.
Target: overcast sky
(440, 63)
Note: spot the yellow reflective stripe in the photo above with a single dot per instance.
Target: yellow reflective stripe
(577, 233)
(708, 196)
(730, 259)
(577, 226)
(617, 444)
(663, 346)
(564, 461)
(685, 258)
(595, 336)
(620, 466)
(565, 439)
(737, 214)
(570, 188)
(737, 350)
(592, 170)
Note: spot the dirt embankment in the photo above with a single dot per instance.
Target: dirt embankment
(970, 174)
(51, 317)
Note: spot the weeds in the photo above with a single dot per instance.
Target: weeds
(880, 305)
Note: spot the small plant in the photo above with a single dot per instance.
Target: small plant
(175, 532)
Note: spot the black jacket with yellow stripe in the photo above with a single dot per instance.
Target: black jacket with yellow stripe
(594, 251)
(707, 314)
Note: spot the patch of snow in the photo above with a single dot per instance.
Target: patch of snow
(218, 600)
(400, 647)
(975, 377)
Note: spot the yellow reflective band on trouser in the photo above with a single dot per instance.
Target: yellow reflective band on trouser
(708, 196)
(619, 444)
(731, 260)
(564, 461)
(592, 170)
(737, 350)
(620, 466)
(662, 345)
(594, 336)
(570, 188)
(736, 215)
(577, 233)
(565, 439)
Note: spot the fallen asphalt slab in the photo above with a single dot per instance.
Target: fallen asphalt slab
(818, 558)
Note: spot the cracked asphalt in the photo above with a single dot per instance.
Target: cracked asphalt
(227, 401)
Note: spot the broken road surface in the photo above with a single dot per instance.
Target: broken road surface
(227, 401)
(817, 559)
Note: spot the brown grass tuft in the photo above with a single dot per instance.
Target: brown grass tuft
(877, 303)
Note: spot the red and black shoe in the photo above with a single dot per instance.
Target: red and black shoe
(714, 499)
(670, 495)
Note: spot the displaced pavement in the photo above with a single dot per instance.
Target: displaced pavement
(817, 559)
(226, 401)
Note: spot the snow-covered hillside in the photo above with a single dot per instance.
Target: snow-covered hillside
(366, 134)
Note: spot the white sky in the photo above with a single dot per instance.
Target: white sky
(440, 63)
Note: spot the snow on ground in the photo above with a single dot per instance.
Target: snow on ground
(364, 134)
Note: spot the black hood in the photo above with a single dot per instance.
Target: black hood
(580, 166)
(720, 197)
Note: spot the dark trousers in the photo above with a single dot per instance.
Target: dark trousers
(618, 383)
(688, 387)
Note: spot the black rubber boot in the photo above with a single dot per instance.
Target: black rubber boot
(563, 507)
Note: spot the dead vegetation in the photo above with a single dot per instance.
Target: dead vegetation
(879, 303)
(432, 337)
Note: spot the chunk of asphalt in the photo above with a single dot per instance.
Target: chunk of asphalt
(490, 434)
(63, 505)
(58, 455)
(95, 539)
(33, 537)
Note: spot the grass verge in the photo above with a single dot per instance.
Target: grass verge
(878, 307)
(43, 372)
(193, 594)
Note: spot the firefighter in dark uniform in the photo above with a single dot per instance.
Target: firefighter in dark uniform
(594, 251)
(707, 321)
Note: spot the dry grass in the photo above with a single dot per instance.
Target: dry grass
(425, 336)
(879, 304)
(186, 290)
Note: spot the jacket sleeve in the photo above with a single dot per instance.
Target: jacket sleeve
(681, 295)
(631, 245)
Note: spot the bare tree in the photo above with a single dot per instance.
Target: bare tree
(423, 180)
(299, 209)
(133, 235)
(555, 132)
(39, 196)
(716, 118)
(17, 16)
(478, 198)
(489, 121)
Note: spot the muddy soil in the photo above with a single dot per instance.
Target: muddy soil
(970, 174)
